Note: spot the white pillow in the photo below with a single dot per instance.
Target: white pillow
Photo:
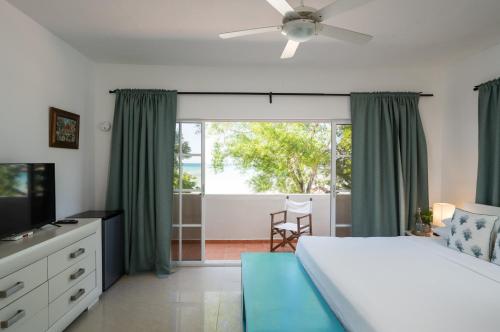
(442, 231)
(471, 233)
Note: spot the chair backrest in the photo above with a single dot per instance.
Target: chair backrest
(298, 207)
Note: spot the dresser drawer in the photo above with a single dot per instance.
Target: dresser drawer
(22, 310)
(38, 323)
(71, 276)
(64, 258)
(70, 298)
(21, 282)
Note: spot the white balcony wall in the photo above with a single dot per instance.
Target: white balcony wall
(246, 217)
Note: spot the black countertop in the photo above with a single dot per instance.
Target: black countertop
(104, 214)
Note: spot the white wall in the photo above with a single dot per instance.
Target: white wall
(276, 79)
(460, 125)
(38, 70)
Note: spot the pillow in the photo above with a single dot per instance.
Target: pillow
(470, 233)
(442, 231)
(447, 222)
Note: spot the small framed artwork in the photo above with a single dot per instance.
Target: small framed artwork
(64, 129)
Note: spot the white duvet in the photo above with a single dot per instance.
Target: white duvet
(403, 284)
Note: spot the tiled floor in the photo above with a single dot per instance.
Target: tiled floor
(231, 250)
(191, 299)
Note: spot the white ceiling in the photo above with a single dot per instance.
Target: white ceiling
(185, 32)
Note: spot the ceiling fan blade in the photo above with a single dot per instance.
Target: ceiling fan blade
(343, 34)
(249, 32)
(281, 5)
(290, 49)
(337, 7)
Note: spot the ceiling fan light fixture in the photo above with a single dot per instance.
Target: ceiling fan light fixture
(302, 23)
(299, 30)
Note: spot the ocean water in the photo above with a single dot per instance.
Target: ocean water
(231, 181)
(192, 168)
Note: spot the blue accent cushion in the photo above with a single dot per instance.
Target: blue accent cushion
(279, 295)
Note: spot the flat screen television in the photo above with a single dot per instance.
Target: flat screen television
(27, 197)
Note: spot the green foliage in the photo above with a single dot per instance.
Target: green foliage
(285, 157)
(188, 181)
(426, 216)
(344, 161)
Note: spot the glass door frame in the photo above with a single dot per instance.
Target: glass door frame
(181, 191)
(333, 174)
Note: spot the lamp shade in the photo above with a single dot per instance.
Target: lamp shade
(440, 212)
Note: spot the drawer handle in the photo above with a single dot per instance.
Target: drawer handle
(11, 290)
(77, 274)
(78, 294)
(77, 253)
(5, 324)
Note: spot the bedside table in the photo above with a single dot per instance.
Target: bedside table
(409, 233)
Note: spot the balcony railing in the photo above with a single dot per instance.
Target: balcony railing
(245, 219)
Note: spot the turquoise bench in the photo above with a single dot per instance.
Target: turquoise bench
(278, 295)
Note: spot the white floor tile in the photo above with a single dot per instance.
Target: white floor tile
(204, 299)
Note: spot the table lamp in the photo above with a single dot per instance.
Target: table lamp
(440, 212)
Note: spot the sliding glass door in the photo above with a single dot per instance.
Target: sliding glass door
(238, 198)
(187, 231)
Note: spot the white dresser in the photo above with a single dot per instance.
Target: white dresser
(47, 280)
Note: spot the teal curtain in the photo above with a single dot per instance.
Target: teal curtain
(141, 175)
(488, 175)
(389, 163)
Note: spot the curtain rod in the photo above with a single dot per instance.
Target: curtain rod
(271, 94)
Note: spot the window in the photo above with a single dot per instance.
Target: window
(268, 157)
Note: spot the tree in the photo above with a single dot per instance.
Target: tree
(284, 157)
(188, 180)
(344, 161)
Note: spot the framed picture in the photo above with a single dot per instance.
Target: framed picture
(64, 129)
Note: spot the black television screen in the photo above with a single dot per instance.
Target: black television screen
(27, 197)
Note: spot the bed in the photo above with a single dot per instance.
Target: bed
(403, 284)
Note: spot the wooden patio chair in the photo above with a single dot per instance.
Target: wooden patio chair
(291, 231)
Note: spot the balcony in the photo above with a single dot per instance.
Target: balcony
(241, 223)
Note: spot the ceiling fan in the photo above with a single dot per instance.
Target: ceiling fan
(301, 23)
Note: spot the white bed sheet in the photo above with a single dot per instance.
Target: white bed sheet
(403, 284)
